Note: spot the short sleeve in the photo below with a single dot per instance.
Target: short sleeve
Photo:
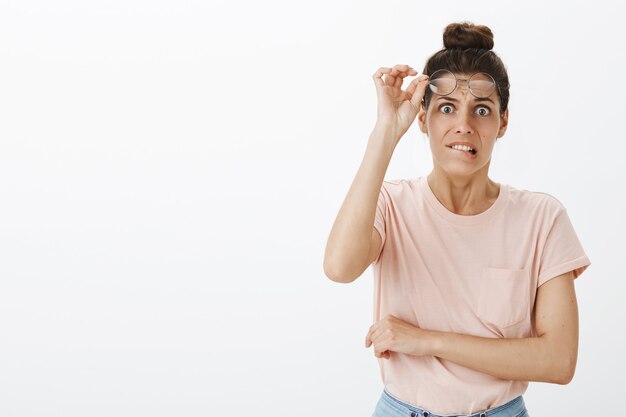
(562, 251)
(379, 220)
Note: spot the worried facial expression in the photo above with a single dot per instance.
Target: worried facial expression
(460, 117)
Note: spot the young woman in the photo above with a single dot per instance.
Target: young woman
(473, 279)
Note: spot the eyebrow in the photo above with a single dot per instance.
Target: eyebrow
(475, 99)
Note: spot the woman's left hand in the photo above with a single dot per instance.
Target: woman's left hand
(392, 334)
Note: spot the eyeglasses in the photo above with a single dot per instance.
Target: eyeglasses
(443, 82)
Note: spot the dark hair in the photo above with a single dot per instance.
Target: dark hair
(467, 49)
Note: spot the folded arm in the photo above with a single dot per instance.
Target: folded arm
(549, 357)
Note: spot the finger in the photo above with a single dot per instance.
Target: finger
(422, 80)
(379, 346)
(390, 75)
(378, 76)
(400, 79)
(368, 338)
(380, 350)
(376, 331)
(403, 71)
(390, 79)
(394, 78)
(417, 90)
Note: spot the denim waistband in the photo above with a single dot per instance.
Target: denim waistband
(509, 409)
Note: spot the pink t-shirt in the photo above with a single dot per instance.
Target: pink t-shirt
(475, 275)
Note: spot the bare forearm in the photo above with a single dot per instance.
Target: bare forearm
(349, 240)
(524, 359)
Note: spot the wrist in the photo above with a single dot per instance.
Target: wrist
(389, 129)
(435, 342)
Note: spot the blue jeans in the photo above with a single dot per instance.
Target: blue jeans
(390, 406)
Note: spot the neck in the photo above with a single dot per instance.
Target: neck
(465, 196)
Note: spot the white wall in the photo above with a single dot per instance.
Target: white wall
(170, 172)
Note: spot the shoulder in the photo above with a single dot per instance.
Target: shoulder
(394, 188)
(399, 185)
(540, 202)
(399, 182)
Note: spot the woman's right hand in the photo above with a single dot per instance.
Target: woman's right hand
(398, 108)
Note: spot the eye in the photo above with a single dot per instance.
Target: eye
(445, 105)
(484, 108)
(486, 111)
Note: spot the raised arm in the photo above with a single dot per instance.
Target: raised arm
(350, 248)
(353, 240)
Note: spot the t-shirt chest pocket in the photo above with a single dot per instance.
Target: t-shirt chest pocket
(503, 296)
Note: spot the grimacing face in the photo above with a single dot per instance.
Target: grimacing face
(460, 116)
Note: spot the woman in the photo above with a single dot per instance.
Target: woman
(462, 318)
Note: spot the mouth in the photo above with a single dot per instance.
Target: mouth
(471, 153)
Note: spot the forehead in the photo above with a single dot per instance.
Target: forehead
(463, 75)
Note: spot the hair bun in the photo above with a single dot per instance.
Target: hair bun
(466, 35)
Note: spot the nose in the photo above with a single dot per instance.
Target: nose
(463, 120)
(463, 123)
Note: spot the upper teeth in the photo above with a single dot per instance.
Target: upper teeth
(462, 147)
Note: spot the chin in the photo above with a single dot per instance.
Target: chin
(461, 168)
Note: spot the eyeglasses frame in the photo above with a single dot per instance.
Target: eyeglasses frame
(467, 80)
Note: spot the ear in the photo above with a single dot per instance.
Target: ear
(504, 121)
(421, 119)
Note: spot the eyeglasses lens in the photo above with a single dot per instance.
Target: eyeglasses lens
(443, 82)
